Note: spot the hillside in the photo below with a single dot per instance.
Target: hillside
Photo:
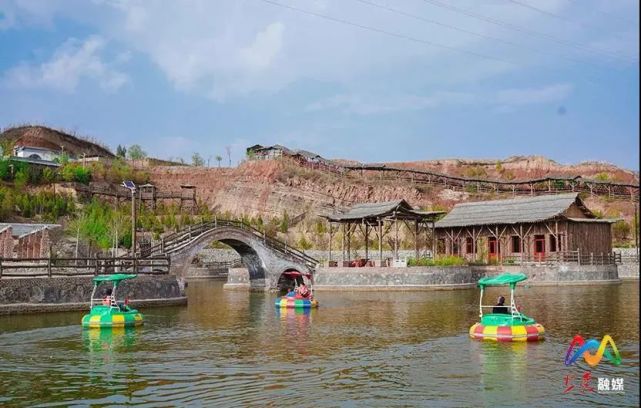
(54, 139)
(270, 187)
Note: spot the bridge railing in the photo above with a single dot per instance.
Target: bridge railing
(50, 267)
(182, 238)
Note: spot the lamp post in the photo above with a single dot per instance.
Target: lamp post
(636, 229)
(132, 187)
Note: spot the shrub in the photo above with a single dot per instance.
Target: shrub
(445, 260)
(75, 172)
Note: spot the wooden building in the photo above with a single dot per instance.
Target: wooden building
(544, 228)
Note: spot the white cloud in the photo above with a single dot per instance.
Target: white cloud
(380, 104)
(527, 96)
(503, 101)
(265, 47)
(71, 62)
(236, 48)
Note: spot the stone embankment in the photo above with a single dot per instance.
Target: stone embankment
(629, 267)
(439, 277)
(31, 295)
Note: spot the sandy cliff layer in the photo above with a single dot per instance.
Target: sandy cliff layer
(268, 188)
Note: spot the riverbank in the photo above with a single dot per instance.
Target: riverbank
(441, 277)
(36, 295)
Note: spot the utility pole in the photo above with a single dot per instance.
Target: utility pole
(132, 187)
(636, 229)
(133, 222)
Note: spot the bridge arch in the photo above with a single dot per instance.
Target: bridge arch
(265, 260)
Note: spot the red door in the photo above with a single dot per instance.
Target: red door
(539, 247)
(493, 248)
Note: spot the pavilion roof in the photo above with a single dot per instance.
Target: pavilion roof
(398, 209)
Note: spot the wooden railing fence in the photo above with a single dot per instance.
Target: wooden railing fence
(51, 267)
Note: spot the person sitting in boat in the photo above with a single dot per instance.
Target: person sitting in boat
(500, 307)
(107, 299)
(303, 291)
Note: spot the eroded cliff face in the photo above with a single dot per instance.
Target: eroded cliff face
(270, 187)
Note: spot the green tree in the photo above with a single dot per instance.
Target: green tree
(219, 159)
(136, 152)
(197, 160)
(121, 151)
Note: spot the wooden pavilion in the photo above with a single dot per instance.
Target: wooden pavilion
(544, 228)
(380, 218)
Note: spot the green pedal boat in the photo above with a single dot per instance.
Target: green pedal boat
(107, 312)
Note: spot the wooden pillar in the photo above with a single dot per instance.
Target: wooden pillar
(349, 242)
(498, 246)
(474, 242)
(329, 245)
(433, 241)
(367, 241)
(380, 241)
(396, 238)
(416, 238)
(343, 245)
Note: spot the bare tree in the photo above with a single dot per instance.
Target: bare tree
(228, 150)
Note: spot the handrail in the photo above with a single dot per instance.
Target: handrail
(49, 267)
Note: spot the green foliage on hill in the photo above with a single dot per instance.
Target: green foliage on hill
(44, 205)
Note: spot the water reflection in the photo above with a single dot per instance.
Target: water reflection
(107, 340)
(360, 348)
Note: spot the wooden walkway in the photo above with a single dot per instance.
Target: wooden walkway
(538, 186)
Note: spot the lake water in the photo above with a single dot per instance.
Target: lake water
(358, 349)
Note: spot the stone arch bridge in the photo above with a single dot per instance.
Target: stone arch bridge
(264, 257)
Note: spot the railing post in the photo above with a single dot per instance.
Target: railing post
(135, 264)
(591, 258)
(96, 265)
(0, 267)
(49, 263)
(162, 245)
(578, 256)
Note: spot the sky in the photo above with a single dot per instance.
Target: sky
(368, 80)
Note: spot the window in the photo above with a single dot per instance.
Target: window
(469, 247)
(493, 246)
(516, 244)
(552, 243)
(455, 247)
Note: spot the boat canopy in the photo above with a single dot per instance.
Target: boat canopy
(504, 279)
(294, 274)
(116, 277)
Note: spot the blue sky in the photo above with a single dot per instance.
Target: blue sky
(416, 80)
